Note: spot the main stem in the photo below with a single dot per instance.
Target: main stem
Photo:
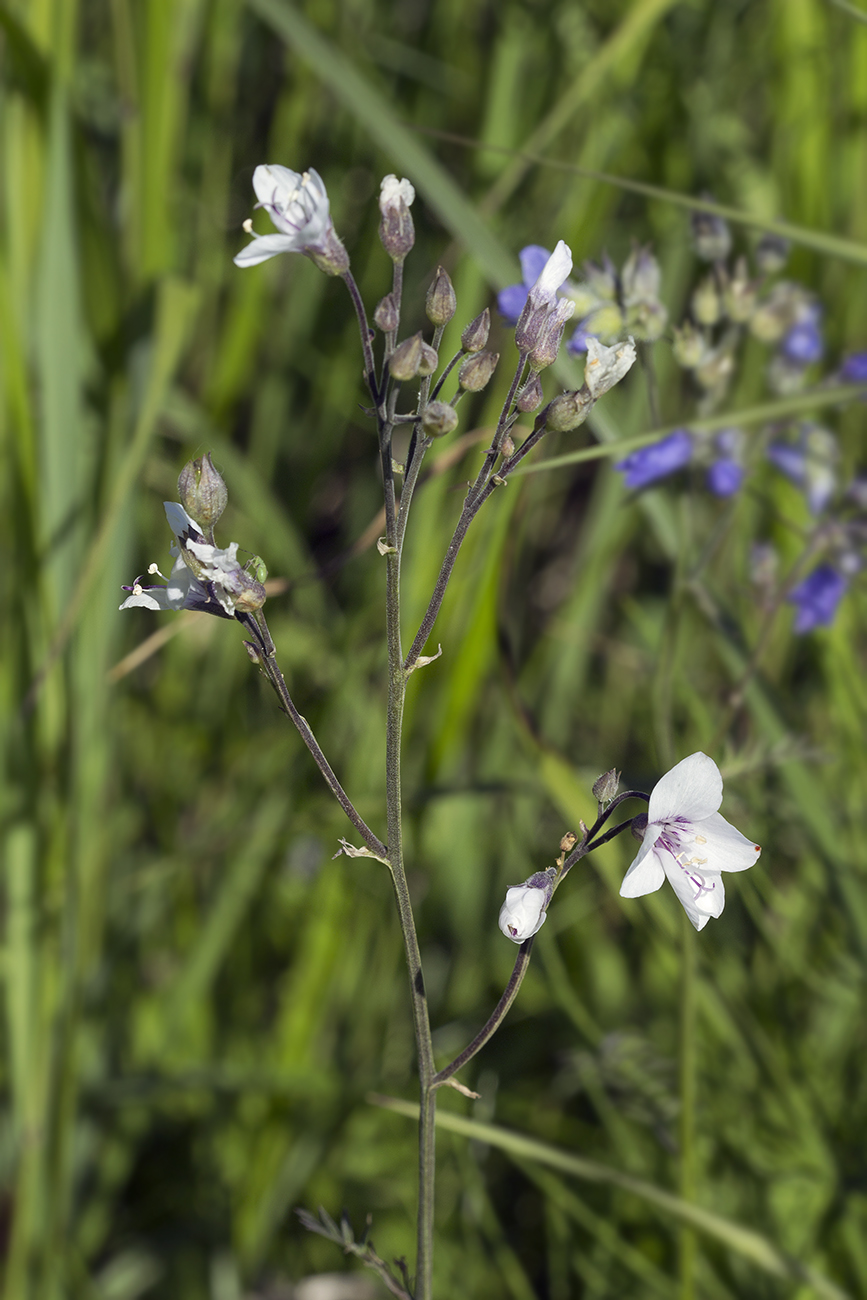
(397, 677)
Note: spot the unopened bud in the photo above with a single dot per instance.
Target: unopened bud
(252, 595)
(507, 446)
(396, 230)
(406, 359)
(568, 411)
(252, 651)
(711, 237)
(544, 352)
(441, 302)
(202, 491)
(531, 395)
(739, 294)
(429, 360)
(477, 370)
(606, 786)
(706, 305)
(475, 336)
(716, 370)
(386, 316)
(772, 253)
(689, 346)
(639, 826)
(438, 419)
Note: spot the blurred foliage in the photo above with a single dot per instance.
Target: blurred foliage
(197, 998)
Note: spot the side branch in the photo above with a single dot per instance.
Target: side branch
(271, 669)
(497, 1017)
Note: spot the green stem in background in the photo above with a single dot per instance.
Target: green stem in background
(688, 1243)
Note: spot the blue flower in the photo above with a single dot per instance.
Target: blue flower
(724, 477)
(854, 369)
(817, 598)
(648, 464)
(809, 463)
(803, 342)
(577, 344)
(511, 300)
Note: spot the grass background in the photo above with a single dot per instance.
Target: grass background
(197, 999)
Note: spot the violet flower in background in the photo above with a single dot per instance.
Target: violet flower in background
(511, 300)
(816, 598)
(725, 476)
(809, 463)
(802, 344)
(854, 369)
(649, 464)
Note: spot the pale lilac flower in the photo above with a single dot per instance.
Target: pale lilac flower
(297, 203)
(817, 598)
(689, 842)
(203, 576)
(524, 911)
(854, 369)
(810, 462)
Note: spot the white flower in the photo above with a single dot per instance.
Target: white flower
(605, 367)
(524, 911)
(688, 841)
(544, 292)
(393, 192)
(203, 576)
(297, 203)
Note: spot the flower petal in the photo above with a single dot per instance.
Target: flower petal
(646, 873)
(265, 246)
(692, 790)
(726, 848)
(702, 893)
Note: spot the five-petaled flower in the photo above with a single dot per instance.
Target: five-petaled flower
(688, 841)
(297, 203)
(203, 576)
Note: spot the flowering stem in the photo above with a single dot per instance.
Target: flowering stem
(364, 330)
(271, 669)
(688, 1243)
(496, 1018)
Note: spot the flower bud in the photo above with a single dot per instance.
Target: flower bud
(531, 396)
(386, 316)
(776, 313)
(568, 411)
(438, 419)
(475, 336)
(202, 491)
(477, 370)
(547, 345)
(507, 447)
(429, 359)
(639, 826)
(739, 294)
(568, 842)
(772, 253)
(706, 305)
(716, 369)
(523, 913)
(605, 367)
(711, 237)
(441, 302)
(396, 230)
(406, 359)
(689, 346)
(606, 786)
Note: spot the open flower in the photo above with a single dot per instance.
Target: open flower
(657, 460)
(524, 911)
(297, 203)
(204, 577)
(688, 841)
(817, 597)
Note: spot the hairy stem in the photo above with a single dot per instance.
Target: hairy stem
(272, 671)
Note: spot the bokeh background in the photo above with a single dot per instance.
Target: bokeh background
(197, 999)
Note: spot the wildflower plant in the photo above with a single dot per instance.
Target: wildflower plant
(412, 388)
